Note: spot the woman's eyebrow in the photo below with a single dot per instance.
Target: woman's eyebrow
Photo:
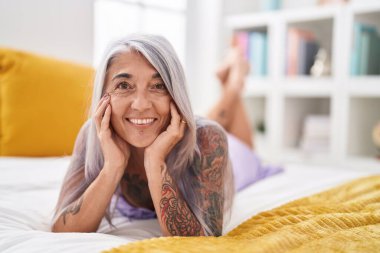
(156, 75)
(122, 75)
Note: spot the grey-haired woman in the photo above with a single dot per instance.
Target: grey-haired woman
(143, 145)
(143, 134)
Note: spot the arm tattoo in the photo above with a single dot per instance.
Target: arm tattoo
(175, 213)
(209, 171)
(72, 209)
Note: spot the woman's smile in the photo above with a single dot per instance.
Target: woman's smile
(141, 123)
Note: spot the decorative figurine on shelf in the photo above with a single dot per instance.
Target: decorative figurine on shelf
(376, 138)
(322, 65)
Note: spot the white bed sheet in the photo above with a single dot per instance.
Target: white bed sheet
(29, 189)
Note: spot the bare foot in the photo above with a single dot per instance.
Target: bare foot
(234, 68)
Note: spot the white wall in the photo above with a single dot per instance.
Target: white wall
(203, 43)
(58, 28)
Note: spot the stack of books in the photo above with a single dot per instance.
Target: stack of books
(302, 47)
(366, 50)
(316, 134)
(255, 47)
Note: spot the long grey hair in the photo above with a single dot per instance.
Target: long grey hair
(87, 159)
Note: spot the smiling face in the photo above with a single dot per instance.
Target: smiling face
(139, 100)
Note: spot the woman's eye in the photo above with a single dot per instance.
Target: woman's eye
(159, 86)
(123, 86)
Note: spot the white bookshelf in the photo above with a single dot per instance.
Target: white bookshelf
(282, 102)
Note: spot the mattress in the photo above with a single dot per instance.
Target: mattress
(29, 189)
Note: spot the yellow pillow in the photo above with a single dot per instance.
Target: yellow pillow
(43, 103)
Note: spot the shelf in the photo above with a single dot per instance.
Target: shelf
(321, 29)
(363, 7)
(364, 113)
(308, 86)
(348, 106)
(256, 108)
(258, 86)
(310, 14)
(364, 34)
(249, 21)
(295, 112)
(363, 86)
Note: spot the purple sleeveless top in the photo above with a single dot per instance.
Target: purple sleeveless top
(132, 212)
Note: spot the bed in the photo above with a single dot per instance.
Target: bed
(43, 104)
(29, 189)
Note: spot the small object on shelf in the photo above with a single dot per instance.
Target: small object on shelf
(326, 2)
(260, 127)
(376, 138)
(270, 5)
(316, 134)
(322, 65)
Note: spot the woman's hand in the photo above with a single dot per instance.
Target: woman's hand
(116, 151)
(165, 142)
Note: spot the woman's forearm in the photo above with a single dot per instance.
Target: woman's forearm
(173, 213)
(85, 214)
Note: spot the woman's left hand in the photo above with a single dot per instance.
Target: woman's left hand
(165, 142)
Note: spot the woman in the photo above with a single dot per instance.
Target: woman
(143, 134)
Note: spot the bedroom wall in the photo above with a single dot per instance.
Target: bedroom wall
(62, 29)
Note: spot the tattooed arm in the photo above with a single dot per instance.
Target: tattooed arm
(213, 146)
(174, 215)
(86, 213)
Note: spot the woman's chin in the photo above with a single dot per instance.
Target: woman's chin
(141, 143)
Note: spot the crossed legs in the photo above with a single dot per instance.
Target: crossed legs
(229, 111)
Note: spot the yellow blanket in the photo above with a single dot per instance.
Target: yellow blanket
(344, 219)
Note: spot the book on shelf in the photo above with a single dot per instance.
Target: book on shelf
(316, 134)
(302, 47)
(255, 46)
(365, 58)
(258, 53)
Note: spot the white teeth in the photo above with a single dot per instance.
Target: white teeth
(141, 121)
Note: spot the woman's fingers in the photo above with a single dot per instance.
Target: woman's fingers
(175, 121)
(99, 113)
(106, 118)
(101, 100)
(182, 128)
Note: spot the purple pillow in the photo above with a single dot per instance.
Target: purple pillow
(246, 165)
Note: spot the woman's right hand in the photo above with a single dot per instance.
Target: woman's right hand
(116, 151)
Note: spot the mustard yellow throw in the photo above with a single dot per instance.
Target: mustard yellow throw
(344, 219)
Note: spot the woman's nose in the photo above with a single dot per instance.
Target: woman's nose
(141, 102)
